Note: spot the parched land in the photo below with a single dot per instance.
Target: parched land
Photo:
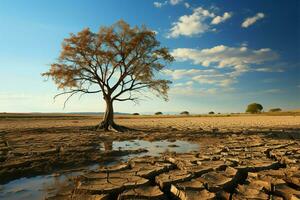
(230, 122)
(239, 157)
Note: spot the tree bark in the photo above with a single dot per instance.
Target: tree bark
(108, 123)
(108, 118)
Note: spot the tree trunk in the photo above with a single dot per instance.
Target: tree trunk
(108, 119)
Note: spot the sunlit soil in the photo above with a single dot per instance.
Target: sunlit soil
(55, 151)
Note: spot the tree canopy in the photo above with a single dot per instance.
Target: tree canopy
(254, 108)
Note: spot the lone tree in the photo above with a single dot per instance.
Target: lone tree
(254, 108)
(119, 61)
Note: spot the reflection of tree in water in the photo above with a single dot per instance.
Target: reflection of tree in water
(65, 183)
(108, 145)
(59, 184)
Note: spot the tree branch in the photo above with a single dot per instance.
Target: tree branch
(73, 92)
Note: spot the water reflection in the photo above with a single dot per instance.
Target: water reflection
(38, 187)
(154, 148)
(108, 146)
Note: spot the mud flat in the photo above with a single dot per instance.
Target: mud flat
(52, 180)
(240, 168)
(212, 157)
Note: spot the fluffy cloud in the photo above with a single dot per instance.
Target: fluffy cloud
(223, 56)
(196, 23)
(220, 19)
(224, 64)
(189, 25)
(251, 20)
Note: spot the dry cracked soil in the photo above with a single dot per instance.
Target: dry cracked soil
(259, 159)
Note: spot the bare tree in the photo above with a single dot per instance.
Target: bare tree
(119, 61)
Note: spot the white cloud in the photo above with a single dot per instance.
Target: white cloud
(182, 73)
(223, 56)
(191, 91)
(187, 5)
(269, 69)
(196, 23)
(220, 19)
(170, 2)
(159, 4)
(189, 25)
(188, 83)
(224, 64)
(244, 44)
(251, 20)
(154, 31)
(175, 2)
(206, 76)
(217, 79)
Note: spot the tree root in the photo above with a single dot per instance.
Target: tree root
(112, 127)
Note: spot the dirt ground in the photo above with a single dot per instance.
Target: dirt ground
(13, 122)
(39, 144)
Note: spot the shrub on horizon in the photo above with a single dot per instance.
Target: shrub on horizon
(185, 113)
(254, 108)
(158, 113)
(211, 113)
(136, 114)
(275, 110)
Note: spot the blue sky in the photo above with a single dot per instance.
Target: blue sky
(227, 54)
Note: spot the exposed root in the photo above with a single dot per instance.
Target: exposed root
(112, 127)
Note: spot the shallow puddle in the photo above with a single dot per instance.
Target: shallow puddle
(40, 187)
(154, 148)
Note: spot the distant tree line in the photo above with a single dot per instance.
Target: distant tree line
(251, 108)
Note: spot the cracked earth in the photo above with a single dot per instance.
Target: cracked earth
(233, 162)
